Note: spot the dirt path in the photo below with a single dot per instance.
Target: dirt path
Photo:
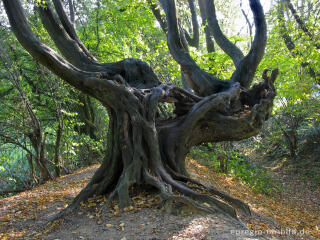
(25, 216)
(292, 214)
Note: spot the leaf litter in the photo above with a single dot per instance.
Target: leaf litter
(24, 216)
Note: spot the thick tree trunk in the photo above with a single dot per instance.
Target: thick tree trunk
(142, 148)
(145, 150)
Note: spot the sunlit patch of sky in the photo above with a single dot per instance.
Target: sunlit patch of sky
(240, 22)
(266, 5)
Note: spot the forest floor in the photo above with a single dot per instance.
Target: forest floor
(291, 214)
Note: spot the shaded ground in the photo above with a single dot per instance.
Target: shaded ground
(292, 214)
(25, 216)
(300, 197)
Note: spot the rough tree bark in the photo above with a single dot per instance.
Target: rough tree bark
(141, 147)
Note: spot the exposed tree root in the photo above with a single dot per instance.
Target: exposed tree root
(141, 147)
(144, 151)
(193, 201)
(237, 203)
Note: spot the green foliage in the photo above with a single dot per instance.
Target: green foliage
(125, 29)
(52, 101)
(14, 171)
(296, 118)
(294, 81)
(257, 178)
(239, 167)
(216, 63)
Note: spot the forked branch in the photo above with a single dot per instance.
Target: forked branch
(202, 83)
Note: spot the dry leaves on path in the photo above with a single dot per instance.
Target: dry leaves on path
(273, 213)
(23, 216)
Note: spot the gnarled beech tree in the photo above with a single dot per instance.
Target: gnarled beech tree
(144, 148)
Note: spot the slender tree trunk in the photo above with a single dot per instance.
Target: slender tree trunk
(292, 141)
(39, 147)
(57, 159)
(32, 171)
